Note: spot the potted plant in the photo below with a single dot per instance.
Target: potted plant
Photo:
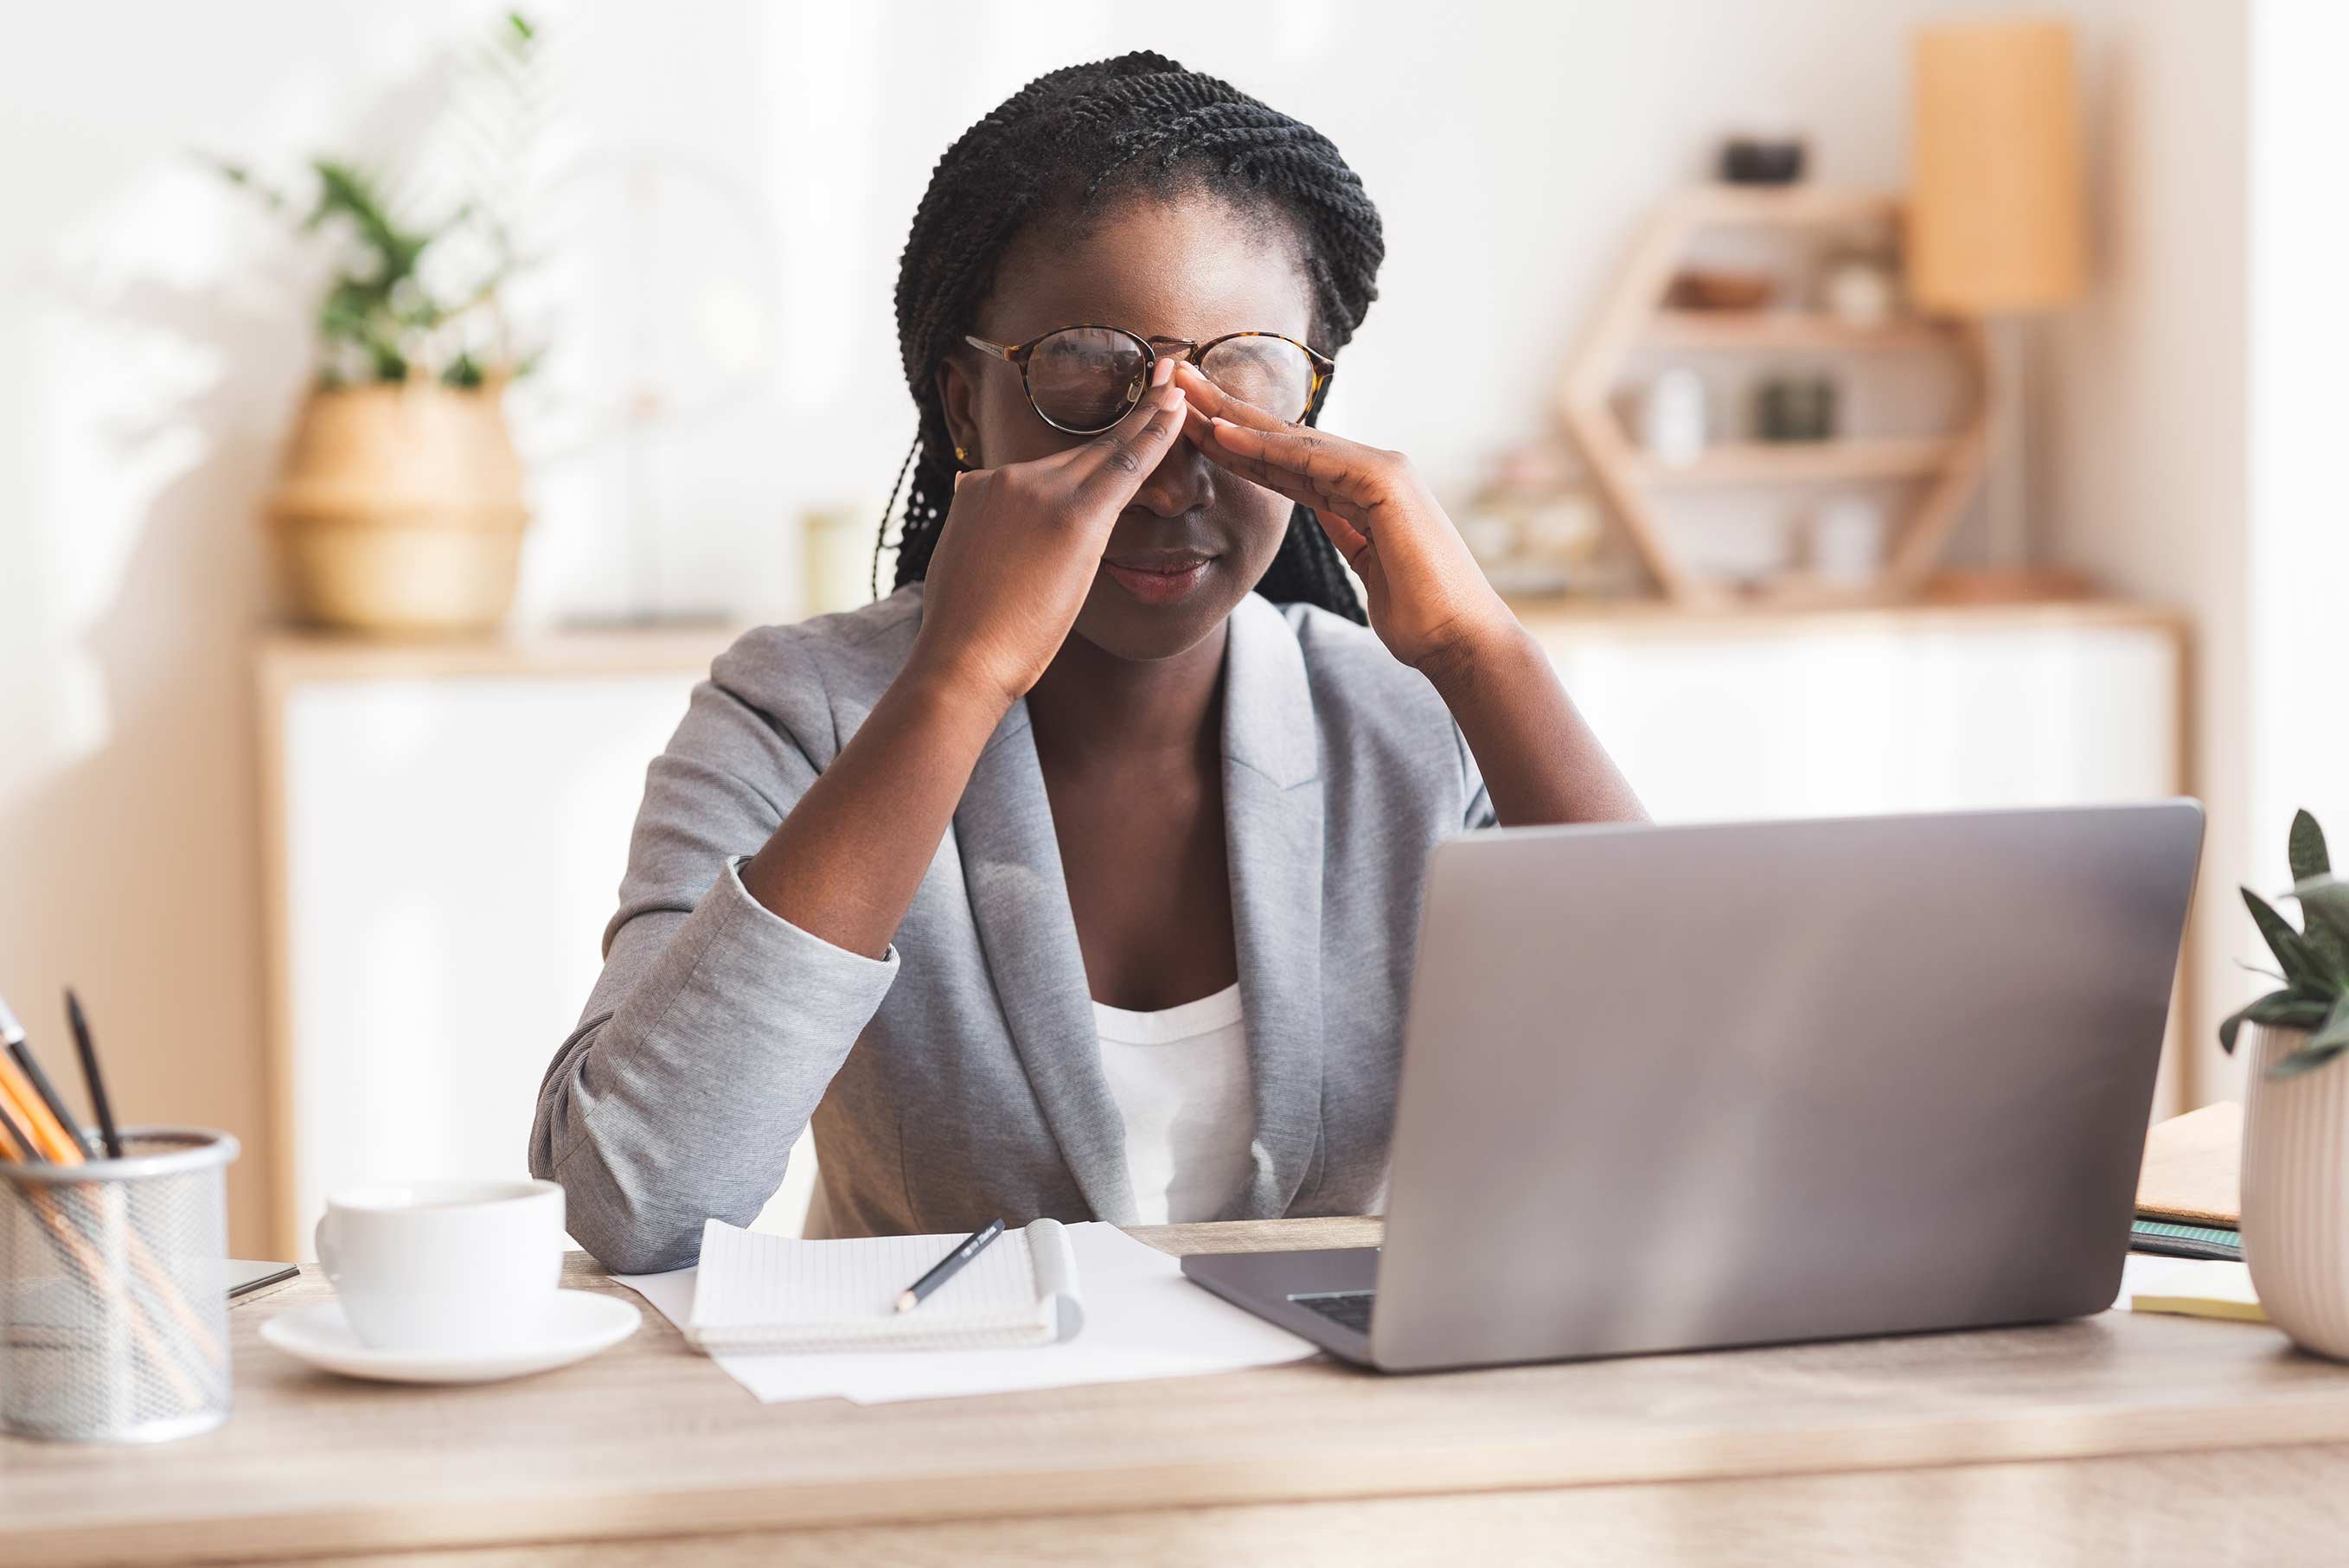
(2295, 1173)
(400, 505)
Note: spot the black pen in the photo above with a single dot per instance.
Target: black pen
(950, 1266)
(90, 1077)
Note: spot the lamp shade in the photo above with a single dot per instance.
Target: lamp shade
(1996, 223)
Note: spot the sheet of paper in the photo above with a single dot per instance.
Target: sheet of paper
(1143, 1319)
(2201, 1287)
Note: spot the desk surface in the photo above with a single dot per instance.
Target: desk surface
(651, 1442)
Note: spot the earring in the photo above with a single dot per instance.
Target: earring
(962, 457)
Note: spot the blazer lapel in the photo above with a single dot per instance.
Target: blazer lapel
(1019, 900)
(1273, 825)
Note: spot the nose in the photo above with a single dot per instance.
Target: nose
(1183, 482)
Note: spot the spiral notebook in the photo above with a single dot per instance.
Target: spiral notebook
(758, 1292)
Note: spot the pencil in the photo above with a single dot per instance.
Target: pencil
(50, 1139)
(12, 1036)
(21, 1108)
(91, 1079)
(30, 1065)
(947, 1267)
(24, 1151)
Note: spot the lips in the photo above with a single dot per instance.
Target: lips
(1159, 579)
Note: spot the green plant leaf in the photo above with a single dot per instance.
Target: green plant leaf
(2306, 1060)
(2291, 952)
(2328, 953)
(2325, 917)
(2335, 1029)
(2306, 850)
(2290, 1010)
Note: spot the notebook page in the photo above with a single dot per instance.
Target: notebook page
(1143, 1319)
(783, 1292)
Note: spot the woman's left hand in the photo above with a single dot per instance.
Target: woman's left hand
(1429, 601)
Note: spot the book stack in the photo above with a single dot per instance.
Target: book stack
(2188, 1202)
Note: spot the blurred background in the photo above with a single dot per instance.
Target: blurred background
(1873, 404)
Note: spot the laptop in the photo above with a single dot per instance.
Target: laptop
(1693, 1088)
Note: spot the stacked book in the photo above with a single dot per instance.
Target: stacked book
(2188, 1202)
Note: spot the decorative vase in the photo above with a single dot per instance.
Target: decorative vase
(2296, 1192)
(400, 508)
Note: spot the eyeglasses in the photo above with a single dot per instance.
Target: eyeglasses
(1083, 379)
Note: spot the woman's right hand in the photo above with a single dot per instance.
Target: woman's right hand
(1023, 543)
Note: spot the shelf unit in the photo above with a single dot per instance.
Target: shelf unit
(1762, 331)
(1635, 317)
(1801, 462)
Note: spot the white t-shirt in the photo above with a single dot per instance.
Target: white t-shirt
(1180, 1078)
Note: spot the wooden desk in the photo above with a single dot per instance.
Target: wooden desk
(2178, 1440)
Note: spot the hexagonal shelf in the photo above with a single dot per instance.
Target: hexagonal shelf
(1634, 316)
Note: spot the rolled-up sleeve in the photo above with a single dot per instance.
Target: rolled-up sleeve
(716, 1025)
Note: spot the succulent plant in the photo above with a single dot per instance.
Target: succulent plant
(2313, 962)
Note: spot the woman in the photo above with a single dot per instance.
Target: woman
(1080, 875)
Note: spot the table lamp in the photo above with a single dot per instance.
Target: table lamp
(1996, 226)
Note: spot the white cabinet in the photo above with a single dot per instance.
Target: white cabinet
(450, 826)
(448, 823)
(1851, 714)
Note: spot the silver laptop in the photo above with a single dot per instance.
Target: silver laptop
(1673, 1088)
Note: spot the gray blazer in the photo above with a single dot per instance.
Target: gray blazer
(958, 1077)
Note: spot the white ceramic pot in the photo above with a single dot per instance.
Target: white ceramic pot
(2296, 1192)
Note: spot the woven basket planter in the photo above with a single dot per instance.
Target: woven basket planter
(400, 509)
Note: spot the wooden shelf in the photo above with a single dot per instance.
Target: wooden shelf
(1801, 608)
(1779, 206)
(1761, 331)
(1801, 462)
(1946, 466)
(291, 654)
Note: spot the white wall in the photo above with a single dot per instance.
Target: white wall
(156, 329)
(2142, 464)
(155, 337)
(2298, 744)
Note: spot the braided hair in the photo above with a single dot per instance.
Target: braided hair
(1080, 137)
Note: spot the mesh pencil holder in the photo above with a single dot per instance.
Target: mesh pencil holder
(114, 1291)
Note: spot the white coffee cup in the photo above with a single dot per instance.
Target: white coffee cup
(444, 1267)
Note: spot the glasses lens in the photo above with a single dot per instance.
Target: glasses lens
(1086, 377)
(1272, 373)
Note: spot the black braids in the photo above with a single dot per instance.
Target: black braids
(881, 536)
(1079, 136)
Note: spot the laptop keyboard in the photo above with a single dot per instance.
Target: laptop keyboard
(1350, 1307)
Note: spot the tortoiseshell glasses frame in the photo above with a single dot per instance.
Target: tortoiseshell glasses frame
(1190, 350)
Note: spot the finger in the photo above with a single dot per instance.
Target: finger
(1197, 427)
(1081, 457)
(1296, 487)
(1335, 467)
(1216, 403)
(1340, 519)
(1113, 465)
(1350, 542)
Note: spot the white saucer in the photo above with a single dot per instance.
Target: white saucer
(580, 1324)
